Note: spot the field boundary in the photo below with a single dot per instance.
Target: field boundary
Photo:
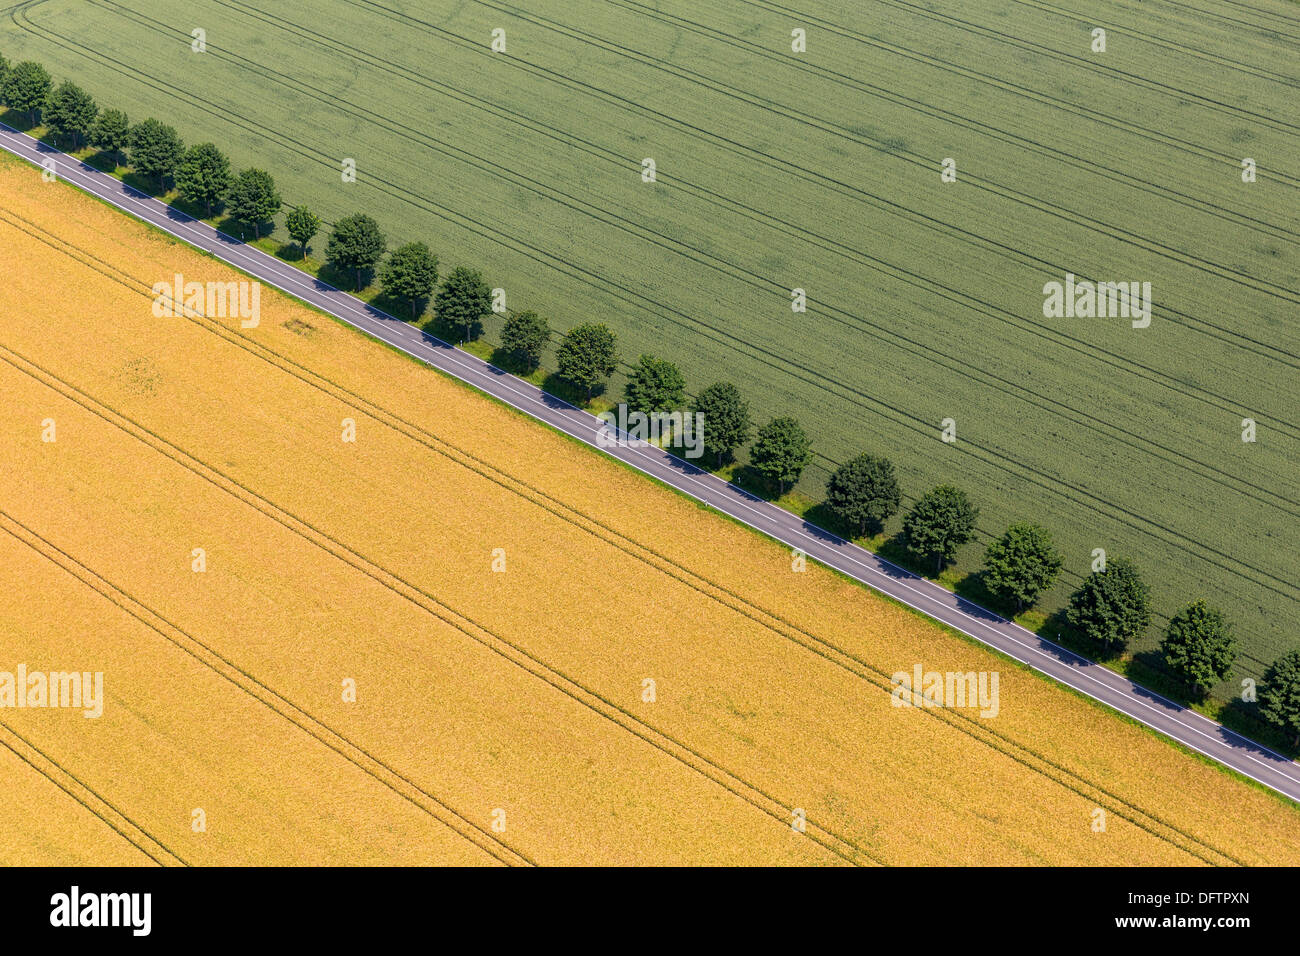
(1188, 727)
(784, 628)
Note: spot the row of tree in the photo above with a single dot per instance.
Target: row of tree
(1111, 607)
(202, 175)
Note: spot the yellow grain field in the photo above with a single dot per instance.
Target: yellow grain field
(637, 680)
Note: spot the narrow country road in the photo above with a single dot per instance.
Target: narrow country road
(1181, 724)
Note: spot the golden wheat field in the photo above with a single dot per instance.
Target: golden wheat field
(639, 681)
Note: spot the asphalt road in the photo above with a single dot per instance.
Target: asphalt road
(1181, 724)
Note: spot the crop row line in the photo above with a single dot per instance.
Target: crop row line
(1012, 87)
(1144, 36)
(1232, 337)
(1073, 217)
(103, 808)
(442, 611)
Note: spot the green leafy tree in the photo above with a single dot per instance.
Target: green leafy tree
(725, 419)
(1021, 564)
(781, 452)
(203, 175)
(1279, 699)
(26, 88)
(587, 356)
(302, 224)
(1113, 606)
(464, 299)
(524, 338)
(112, 134)
(655, 385)
(70, 113)
(355, 245)
(155, 149)
(864, 492)
(940, 523)
(1199, 646)
(4, 72)
(254, 199)
(411, 273)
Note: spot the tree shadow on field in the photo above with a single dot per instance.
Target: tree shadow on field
(457, 331)
(1150, 669)
(751, 480)
(895, 550)
(702, 464)
(195, 210)
(974, 588)
(148, 185)
(292, 252)
(1245, 718)
(19, 121)
(399, 307)
(243, 231)
(103, 160)
(345, 279)
(512, 362)
(566, 391)
(1059, 630)
(824, 516)
(232, 227)
(1153, 661)
(441, 330)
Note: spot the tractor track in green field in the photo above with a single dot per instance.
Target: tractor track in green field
(1181, 48)
(1074, 494)
(1162, 190)
(855, 321)
(1202, 12)
(732, 269)
(1231, 337)
(1294, 21)
(1110, 72)
(1071, 216)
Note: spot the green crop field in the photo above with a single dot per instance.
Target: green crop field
(821, 170)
